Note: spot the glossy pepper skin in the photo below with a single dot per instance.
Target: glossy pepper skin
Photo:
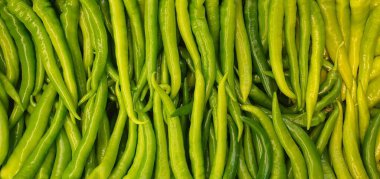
(32, 135)
(44, 50)
(189, 89)
(26, 54)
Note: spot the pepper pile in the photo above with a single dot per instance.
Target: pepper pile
(189, 89)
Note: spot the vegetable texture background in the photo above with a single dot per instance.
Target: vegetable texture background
(189, 89)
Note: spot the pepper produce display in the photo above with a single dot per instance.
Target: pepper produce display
(189, 89)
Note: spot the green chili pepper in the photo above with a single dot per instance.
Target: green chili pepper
(304, 11)
(138, 40)
(63, 155)
(8, 48)
(47, 15)
(120, 34)
(363, 110)
(367, 48)
(46, 168)
(10, 90)
(195, 131)
(70, 21)
(259, 149)
(122, 166)
(100, 44)
(343, 15)
(330, 97)
(27, 58)
(36, 158)
(259, 97)
(249, 152)
(213, 21)
(327, 169)
(32, 135)
(103, 138)
(76, 165)
(44, 50)
(278, 169)
(327, 130)
(290, 40)
(335, 42)
(109, 159)
(221, 132)
(167, 25)
(227, 38)
(104, 7)
(369, 148)
(92, 158)
(242, 168)
(162, 169)
(276, 14)
(235, 111)
(140, 156)
(331, 79)
(87, 40)
(263, 13)
(311, 154)
(176, 149)
(205, 36)
(359, 13)
(147, 166)
(233, 153)
(151, 33)
(290, 147)
(183, 20)
(73, 134)
(318, 41)
(265, 162)
(243, 54)
(350, 138)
